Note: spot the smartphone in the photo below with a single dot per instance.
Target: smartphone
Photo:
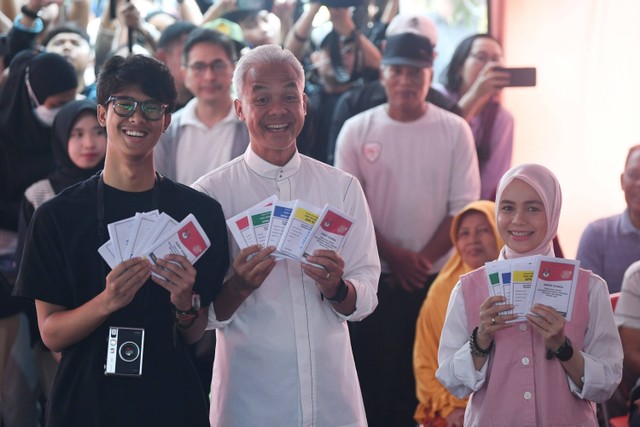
(520, 77)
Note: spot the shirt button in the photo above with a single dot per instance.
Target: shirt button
(525, 361)
(528, 395)
(523, 326)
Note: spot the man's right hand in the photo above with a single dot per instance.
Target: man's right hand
(252, 265)
(124, 281)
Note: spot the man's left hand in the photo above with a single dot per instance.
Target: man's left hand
(178, 277)
(330, 272)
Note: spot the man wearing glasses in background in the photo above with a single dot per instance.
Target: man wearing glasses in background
(206, 133)
(80, 301)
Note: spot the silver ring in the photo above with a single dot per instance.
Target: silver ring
(493, 320)
(327, 276)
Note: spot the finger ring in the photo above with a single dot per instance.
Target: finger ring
(493, 320)
(327, 276)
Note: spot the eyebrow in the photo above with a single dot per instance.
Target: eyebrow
(525, 202)
(288, 85)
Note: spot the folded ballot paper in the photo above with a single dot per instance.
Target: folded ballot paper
(154, 235)
(534, 280)
(296, 228)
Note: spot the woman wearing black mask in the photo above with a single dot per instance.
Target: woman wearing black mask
(37, 86)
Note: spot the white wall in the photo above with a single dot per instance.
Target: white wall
(583, 115)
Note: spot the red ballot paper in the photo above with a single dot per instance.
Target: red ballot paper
(187, 239)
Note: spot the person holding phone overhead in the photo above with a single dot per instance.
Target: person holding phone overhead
(546, 370)
(470, 79)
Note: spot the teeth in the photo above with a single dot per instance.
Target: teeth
(277, 127)
(134, 133)
(519, 233)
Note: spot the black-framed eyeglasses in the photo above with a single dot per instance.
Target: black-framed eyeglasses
(218, 67)
(125, 106)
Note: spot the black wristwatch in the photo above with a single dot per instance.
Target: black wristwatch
(195, 307)
(565, 352)
(341, 293)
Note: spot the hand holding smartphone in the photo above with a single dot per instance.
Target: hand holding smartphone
(519, 77)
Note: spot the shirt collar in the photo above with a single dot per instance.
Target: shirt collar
(189, 115)
(268, 170)
(626, 226)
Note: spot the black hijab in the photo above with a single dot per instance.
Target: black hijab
(49, 74)
(66, 173)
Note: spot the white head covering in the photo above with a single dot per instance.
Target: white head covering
(545, 183)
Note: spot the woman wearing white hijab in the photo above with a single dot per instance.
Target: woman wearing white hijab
(545, 371)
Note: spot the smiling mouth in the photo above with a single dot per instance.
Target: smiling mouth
(277, 128)
(134, 133)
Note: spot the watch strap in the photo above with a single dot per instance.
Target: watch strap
(565, 352)
(341, 293)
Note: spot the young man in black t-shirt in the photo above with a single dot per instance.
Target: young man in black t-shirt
(79, 300)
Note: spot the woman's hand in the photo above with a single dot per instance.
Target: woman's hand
(491, 321)
(489, 81)
(549, 323)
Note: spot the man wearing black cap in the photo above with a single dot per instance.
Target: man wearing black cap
(341, 57)
(418, 166)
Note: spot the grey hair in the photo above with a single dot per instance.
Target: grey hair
(265, 54)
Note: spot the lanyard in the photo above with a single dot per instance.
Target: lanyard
(155, 197)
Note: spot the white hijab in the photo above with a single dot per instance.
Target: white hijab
(545, 183)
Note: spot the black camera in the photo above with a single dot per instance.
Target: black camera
(125, 350)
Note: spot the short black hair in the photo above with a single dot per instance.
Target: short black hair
(174, 32)
(67, 27)
(150, 75)
(204, 35)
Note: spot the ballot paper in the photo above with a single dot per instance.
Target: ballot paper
(291, 226)
(534, 280)
(555, 285)
(154, 235)
(119, 233)
(329, 231)
(163, 226)
(522, 274)
(107, 253)
(298, 229)
(187, 239)
(241, 230)
(279, 218)
(260, 218)
(142, 226)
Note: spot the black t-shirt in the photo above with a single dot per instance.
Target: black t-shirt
(61, 266)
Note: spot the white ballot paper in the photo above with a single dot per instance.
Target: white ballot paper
(493, 278)
(119, 233)
(298, 229)
(241, 230)
(142, 225)
(163, 226)
(187, 239)
(106, 251)
(522, 275)
(279, 218)
(329, 231)
(260, 218)
(555, 284)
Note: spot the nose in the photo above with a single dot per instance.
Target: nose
(88, 141)
(137, 115)
(519, 217)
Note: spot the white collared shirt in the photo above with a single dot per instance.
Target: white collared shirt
(284, 358)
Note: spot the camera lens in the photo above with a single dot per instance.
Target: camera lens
(129, 351)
